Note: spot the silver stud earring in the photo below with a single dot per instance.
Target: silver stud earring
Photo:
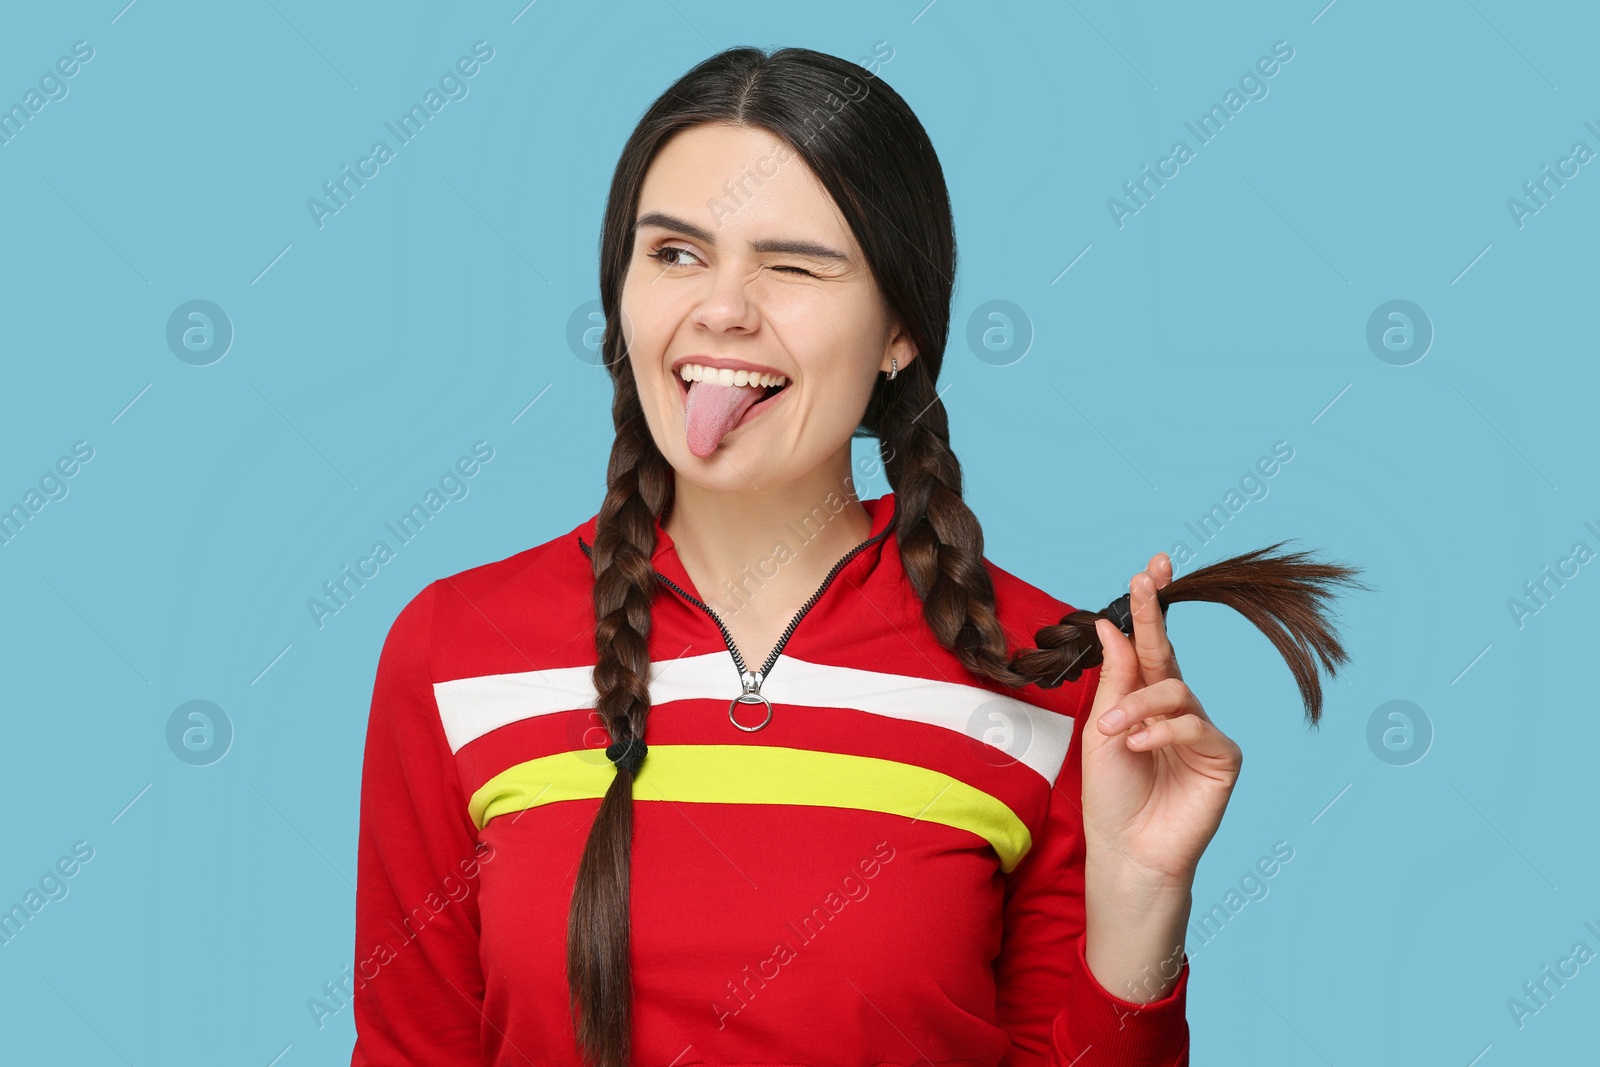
(894, 367)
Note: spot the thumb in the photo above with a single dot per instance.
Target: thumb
(1119, 672)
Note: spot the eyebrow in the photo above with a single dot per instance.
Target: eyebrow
(788, 246)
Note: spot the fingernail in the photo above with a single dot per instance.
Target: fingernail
(1139, 737)
(1115, 717)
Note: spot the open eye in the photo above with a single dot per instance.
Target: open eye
(666, 255)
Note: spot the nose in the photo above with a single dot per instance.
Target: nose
(726, 304)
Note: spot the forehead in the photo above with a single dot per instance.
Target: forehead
(741, 184)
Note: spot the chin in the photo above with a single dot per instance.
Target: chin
(715, 474)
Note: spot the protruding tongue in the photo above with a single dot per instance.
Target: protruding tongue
(715, 409)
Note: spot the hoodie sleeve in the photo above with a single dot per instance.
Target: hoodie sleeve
(419, 986)
(1048, 999)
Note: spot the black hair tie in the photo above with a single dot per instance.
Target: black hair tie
(1120, 612)
(627, 755)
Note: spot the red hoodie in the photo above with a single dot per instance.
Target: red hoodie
(889, 872)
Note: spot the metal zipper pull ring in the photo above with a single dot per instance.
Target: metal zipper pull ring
(751, 680)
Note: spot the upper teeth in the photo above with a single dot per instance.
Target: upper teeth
(695, 372)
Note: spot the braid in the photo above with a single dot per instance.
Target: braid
(639, 485)
(1284, 595)
(941, 543)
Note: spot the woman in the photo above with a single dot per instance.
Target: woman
(958, 823)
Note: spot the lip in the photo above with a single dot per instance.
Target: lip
(724, 363)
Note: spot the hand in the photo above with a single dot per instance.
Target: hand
(1155, 783)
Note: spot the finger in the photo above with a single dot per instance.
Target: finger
(1119, 670)
(1163, 700)
(1160, 568)
(1156, 657)
(1191, 731)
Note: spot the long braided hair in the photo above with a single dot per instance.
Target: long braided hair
(875, 160)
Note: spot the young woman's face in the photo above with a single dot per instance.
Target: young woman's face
(741, 258)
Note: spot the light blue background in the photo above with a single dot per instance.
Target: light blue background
(1228, 314)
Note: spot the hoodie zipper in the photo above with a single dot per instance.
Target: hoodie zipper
(750, 681)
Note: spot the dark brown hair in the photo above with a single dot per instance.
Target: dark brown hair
(875, 160)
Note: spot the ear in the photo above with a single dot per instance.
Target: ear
(900, 348)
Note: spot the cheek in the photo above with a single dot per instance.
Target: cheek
(649, 312)
(641, 349)
(838, 391)
(840, 342)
